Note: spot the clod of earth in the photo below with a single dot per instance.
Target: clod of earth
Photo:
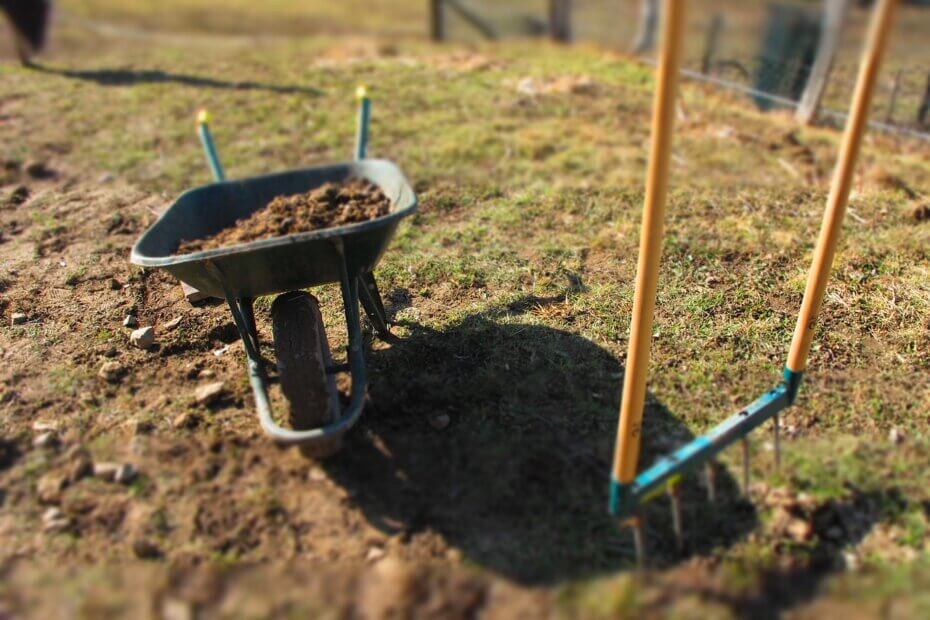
(143, 338)
(37, 169)
(111, 371)
(440, 421)
(145, 549)
(50, 486)
(329, 205)
(209, 393)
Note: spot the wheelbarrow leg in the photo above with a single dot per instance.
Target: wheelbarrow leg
(370, 297)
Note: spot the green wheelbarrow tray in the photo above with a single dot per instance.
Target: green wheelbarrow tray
(240, 273)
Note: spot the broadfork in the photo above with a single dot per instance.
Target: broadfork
(629, 491)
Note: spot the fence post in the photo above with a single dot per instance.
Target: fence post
(437, 20)
(711, 43)
(924, 110)
(560, 20)
(893, 99)
(834, 16)
(648, 25)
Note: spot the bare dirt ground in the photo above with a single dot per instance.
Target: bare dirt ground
(475, 484)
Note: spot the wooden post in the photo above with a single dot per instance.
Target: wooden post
(648, 24)
(560, 20)
(831, 30)
(650, 243)
(841, 184)
(924, 110)
(437, 20)
(711, 43)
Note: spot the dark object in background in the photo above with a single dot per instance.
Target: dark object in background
(788, 49)
(30, 23)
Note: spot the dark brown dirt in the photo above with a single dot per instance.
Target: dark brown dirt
(329, 205)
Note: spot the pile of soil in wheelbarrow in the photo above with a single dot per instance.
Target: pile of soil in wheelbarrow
(330, 205)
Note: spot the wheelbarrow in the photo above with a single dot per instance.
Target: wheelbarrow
(240, 273)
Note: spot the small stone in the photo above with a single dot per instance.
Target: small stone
(50, 486)
(173, 323)
(317, 475)
(206, 374)
(176, 609)
(192, 295)
(106, 177)
(17, 318)
(54, 521)
(186, 420)
(440, 421)
(143, 338)
(48, 439)
(896, 436)
(106, 471)
(81, 467)
(130, 321)
(374, 554)
(111, 371)
(146, 549)
(799, 530)
(207, 394)
(221, 351)
(126, 473)
(42, 426)
(454, 555)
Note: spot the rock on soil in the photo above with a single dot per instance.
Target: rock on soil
(186, 420)
(17, 318)
(207, 394)
(332, 204)
(106, 471)
(48, 439)
(125, 473)
(143, 338)
(130, 321)
(54, 521)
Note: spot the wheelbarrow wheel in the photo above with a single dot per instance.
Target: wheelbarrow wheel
(303, 358)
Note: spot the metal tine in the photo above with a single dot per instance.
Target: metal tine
(638, 526)
(745, 443)
(710, 474)
(776, 428)
(674, 494)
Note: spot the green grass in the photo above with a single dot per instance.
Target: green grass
(539, 197)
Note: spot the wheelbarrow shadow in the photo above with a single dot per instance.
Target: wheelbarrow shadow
(518, 479)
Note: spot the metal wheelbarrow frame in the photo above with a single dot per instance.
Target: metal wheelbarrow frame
(240, 273)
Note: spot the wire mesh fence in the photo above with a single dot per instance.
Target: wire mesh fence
(764, 48)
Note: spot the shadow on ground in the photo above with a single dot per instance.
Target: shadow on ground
(518, 479)
(131, 77)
